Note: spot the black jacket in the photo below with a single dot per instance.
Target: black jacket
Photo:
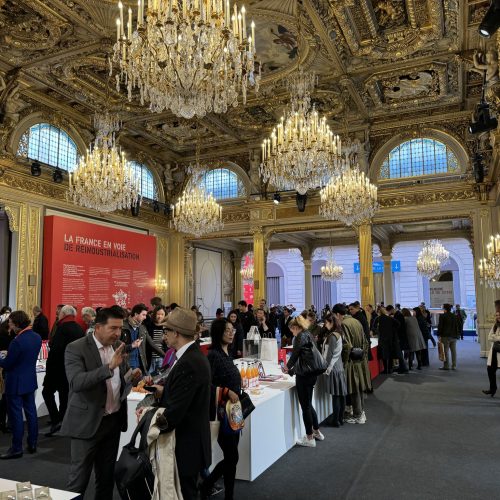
(403, 338)
(361, 317)
(448, 326)
(41, 326)
(285, 331)
(67, 331)
(186, 399)
(386, 328)
(247, 319)
(237, 344)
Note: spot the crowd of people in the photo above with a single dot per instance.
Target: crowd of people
(96, 356)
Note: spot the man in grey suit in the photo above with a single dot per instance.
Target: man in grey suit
(99, 379)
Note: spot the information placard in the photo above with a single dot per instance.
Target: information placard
(87, 264)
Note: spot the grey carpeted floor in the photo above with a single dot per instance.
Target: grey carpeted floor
(429, 435)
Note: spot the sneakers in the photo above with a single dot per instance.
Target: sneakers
(318, 435)
(305, 441)
(357, 420)
(348, 412)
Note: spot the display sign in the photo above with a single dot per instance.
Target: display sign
(87, 264)
(441, 292)
(378, 267)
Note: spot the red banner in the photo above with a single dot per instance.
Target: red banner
(88, 264)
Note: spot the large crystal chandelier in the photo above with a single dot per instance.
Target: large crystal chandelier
(350, 198)
(430, 259)
(247, 271)
(189, 56)
(103, 180)
(331, 271)
(489, 266)
(302, 152)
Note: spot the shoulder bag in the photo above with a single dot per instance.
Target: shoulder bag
(310, 361)
(247, 406)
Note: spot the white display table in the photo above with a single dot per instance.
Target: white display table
(7, 484)
(270, 431)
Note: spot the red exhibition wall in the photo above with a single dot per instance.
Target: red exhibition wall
(87, 264)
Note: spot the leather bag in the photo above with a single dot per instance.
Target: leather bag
(310, 361)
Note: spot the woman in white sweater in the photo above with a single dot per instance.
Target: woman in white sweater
(493, 356)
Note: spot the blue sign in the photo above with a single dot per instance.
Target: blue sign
(378, 267)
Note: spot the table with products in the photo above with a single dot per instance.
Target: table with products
(7, 484)
(270, 431)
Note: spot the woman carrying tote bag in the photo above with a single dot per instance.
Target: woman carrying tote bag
(301, 361)
(227, 379)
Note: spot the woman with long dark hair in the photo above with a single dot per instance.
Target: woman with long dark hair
(304, 383)
(225, 377)
(493, 356)
(236, 349)
(156, 329)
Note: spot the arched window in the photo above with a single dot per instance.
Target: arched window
(50, 145)
(147, 183)
(419, 157)
(223, 183)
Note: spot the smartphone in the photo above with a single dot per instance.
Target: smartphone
(282, 364)
(150, 388)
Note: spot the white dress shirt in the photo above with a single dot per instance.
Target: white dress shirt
(114, 383)
(181, 351)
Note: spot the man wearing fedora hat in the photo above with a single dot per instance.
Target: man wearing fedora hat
(186, 399)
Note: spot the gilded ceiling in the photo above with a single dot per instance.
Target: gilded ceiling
(382, 64)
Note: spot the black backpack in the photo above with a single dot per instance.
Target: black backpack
(134, 475)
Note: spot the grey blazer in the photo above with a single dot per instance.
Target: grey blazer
(87, 389)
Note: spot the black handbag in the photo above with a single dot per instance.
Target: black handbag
(310, 361)
(496, 347)
(134, 475)
(247, 406)
(356, 354)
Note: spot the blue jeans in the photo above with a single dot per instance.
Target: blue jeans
(15, 406)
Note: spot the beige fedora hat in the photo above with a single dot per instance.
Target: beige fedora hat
(182, 321)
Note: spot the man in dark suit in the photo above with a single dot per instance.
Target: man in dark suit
(19, 369)
(68, 330)
(247, 317)
(186, 399)
(286, 334)
(99, 380)
(40, 323)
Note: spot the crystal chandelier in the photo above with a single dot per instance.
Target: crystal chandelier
(350, 198)
(489, 267)
(189, 56)
(430, 259)
(331, 271)
(103, 180)
(247, 271)
(302, 152)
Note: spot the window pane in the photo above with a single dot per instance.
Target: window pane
(223, 183)
(48, 144)
(146, 179)
(417, 157)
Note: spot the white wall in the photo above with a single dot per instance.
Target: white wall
(208, 281)
(293, 268)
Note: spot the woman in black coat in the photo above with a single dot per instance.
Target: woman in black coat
(236, 348)
(422, 323)
(225, 377)
(386, 328)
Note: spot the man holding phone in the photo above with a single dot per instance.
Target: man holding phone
(100, 380)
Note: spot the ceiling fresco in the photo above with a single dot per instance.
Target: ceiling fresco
(380, 63)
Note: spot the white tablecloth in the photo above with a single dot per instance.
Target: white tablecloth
(7, 485)
(270, 431)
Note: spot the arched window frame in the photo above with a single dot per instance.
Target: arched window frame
(148, 181)
(452, 145)
(243, 189)
(58, 149)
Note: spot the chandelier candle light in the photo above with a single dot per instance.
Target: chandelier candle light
(189, 56)
(331, 271)
(197, 212)
(489, 267)
(103, 179)
(430, 259)
(302, 152)
(350, 198)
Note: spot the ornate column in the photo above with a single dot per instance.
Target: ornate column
(238, 285)
(306, 258)
(162, 266)
(259, 264)
(484, 224)
(388, 287)
(366, 264)
(188, 271)
(176, 275)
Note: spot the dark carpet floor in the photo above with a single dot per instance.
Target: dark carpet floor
(429, 435)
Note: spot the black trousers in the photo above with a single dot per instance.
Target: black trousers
(189, 487)
(492, 372)
(338, 403)
(305, 386)
(3, 412)
(48, 393)
(99, 453)
(227, 466)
